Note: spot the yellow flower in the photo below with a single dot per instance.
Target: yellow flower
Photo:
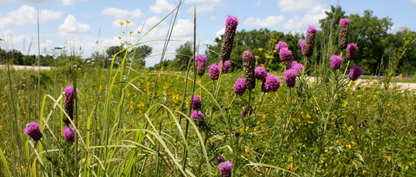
(138, 32)
(388, 158)
(348, 146)
(364, 172)
(256, 56)
(351, 128)
(260, 49)
(274, 51)
(344, 103)
(121, 23)
(119, 37)
(131, 32)
(141, 104)
(272, 57)
(267, 56)
(1, 127)
(128, 21)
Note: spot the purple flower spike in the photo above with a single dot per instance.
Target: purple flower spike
(228, 38)
(260, 73)
(240, 86)
(351, 48)
(196, 102)
(68, 134)
(231, 25)
(344, 23)
(311, 31)
(281, 45)
(248, 67)
(69, 103)
(302, 46)
(290, 77)
(226, 67)
(272, 83)
(285, 54)
(214, 71)
(200, 63)
(220, 159)
(33, 131)
(310, 41)
(198, 117)
(355, 72)
(225, 168)
(336, 61)
(296, 66)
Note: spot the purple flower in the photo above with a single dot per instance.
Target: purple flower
(336, 61)
(69, 103)
(272, 83)
(240, 86)
(302, 46)
(226, 67)
(33, 131)
(245, 111)
(285, 54)
(248, 56)
(260, 73)
(296, 66)
(281, 45)
(355, 72)
(351, 48)
(68, 134)
(198, 117)
(344, 23)
(311, 31)
(290, 77)
(231, 24)
(214, 71)
(220, 159)
(200, 63)
(225, 168)
(248, 67)
(196, 102)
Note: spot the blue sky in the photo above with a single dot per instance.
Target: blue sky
(77, 23)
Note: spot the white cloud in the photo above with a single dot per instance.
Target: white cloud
(70, 2)
(162, 7)
(205, 6)
(267, 22)
(72, 27)
(30, 1)
(298, 24)
(183, 28)
(152, 21)
(258, 3)
(27, 15)
(220, 32)
(121, 13)
(300, 5)
(412, 1)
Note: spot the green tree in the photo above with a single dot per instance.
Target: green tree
(140, 53)
(184, 53)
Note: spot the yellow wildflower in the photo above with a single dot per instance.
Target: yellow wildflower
(274, 51)
(1, 127)
(267, 56)
(128, 21)
(351, 128)
(260, 49)
(121, 23)
(256, 56)
(348, 146)
(119, 37)
(388, 158)
(131, 32)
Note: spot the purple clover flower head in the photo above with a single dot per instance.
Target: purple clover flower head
(281, 45)
(296, 66)
(225, 168)
(290, 77)
(285, 54)
(245, 111)
(311, 31)
(240, 86)
(68, 134)
(272, 83)
(302, 46)
(33, 131)
(198, 117)
(196, 102)
(226, 67)
(214, 71)
(260, 73)
(69, 95)
(219, 159)
(355, 72)
(336, 61)
(200, 63)
(248, 56)
(351, 48)
(231, 24)
(344, 23)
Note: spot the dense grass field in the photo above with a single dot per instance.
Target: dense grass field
(322, 128)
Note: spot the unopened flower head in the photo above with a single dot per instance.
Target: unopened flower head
(296, 66)
(336, 61)
(260, 73)
(272, 83)
(198, 117)
(240, 86)
(343, 33)
(302, 46)
(285, 54)
(281, 45)
(355, 72)
(245, 112)
(196, 102)
(68, 134)
(290, 77)
(228, 37)
(214, 71)
(200, 63)
(225, 169)
(33, 131)
(220, 159)
(351, 48)
(248, 67)
(310, 41)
